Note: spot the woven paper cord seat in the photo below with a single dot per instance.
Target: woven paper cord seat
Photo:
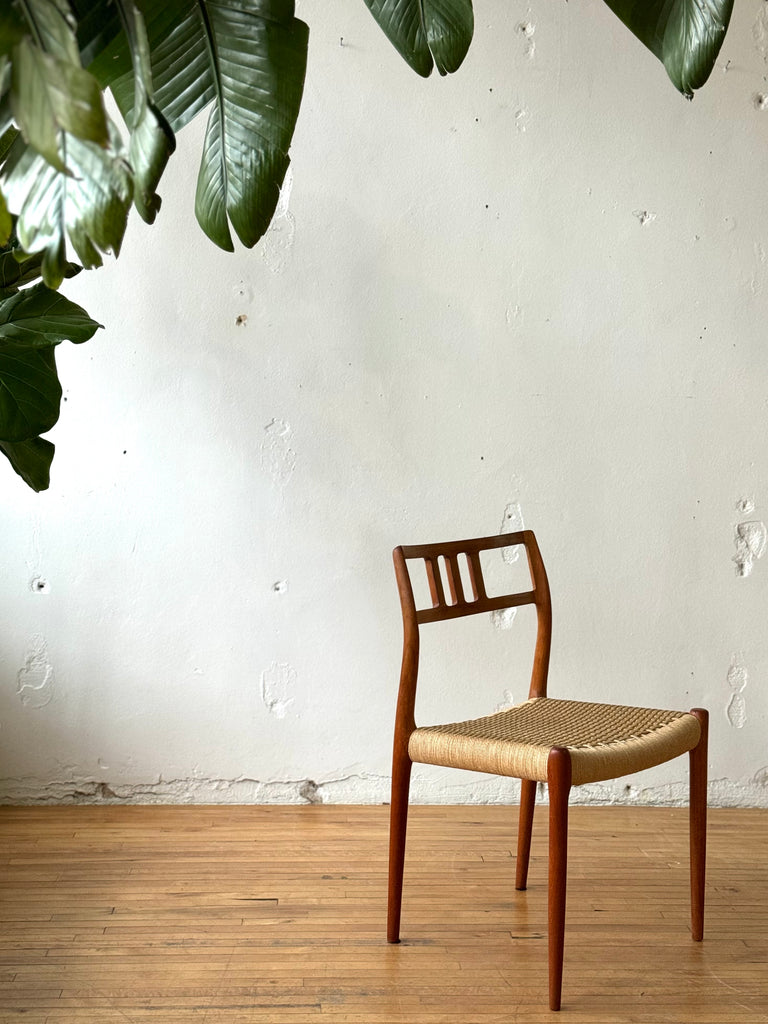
(605, 741)
(563, 743)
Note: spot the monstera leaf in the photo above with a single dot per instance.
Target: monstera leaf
(686, 35)
(427, 33)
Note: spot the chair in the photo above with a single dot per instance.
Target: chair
(564, 743)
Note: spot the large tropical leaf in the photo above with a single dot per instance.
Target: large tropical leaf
(90, 205)
(17, 270)
(31, 460)
(152, 140)
(32, 323)
(39, 317)
(113, 41)
(6, 221)
(249, 58)
(686, 35)
(50, 95)
(427, 33)
(30, 392)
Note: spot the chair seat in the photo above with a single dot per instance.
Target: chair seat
(605, 740)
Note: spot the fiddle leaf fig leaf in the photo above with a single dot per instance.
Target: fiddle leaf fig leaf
(427, 33)
(685, 35)
(31, 460)
(30, 392)
(39, 317)
(32, 323)
(90, 206)
(49, 95)
(17, 269)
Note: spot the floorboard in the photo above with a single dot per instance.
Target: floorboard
(228, 915)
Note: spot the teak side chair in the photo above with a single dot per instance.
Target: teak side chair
(564, 743)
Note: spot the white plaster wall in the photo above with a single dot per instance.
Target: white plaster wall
(542, 282)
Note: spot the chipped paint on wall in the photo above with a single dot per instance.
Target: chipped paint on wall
(750, 540)
(511, 522)
(527, 30)
(513, 315)
(760, 32)
(277, 244)
(35, 679)
(645, 217)
(364, 787)
(278, 459)
(508, 701)
(737, 678)
(277, 685)
(522, 117)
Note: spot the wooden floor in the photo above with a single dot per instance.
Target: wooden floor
(227, 915)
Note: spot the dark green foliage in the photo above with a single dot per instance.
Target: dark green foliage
(68, 179)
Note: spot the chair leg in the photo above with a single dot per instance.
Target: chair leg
(398, 821)
(559, 782)
(524, 829)
(698, 825)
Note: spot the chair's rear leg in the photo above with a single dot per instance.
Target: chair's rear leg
(698, 825)
(524, 829)
(559, 783)
(398, 821)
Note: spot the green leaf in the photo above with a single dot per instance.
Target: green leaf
(31, 460)
(39, 317)
(18, 269)
(427, 32)
(91, 206)
(101, 37)
(249, 57)
(30, 392)
(52, 26)
(7, 140)
(12, 28)
(685, 35)
(49, 95)
(152, 140)
(258, 65)
(6, 222)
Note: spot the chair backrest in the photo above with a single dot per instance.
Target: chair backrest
(458, 602)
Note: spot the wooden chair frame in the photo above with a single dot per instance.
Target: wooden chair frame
(458, 603)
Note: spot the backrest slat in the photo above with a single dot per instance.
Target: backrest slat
(489, 604)
(476, 575)
(461, 604)
(435, 581)
(457, 603)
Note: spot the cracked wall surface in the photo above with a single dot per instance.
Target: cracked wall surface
(534, 293)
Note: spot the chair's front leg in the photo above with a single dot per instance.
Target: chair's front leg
(559, 783)
(524, 830)
(698, 825)
(398, 821)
